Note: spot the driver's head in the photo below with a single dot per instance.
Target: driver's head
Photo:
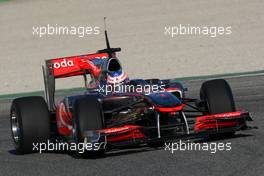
(116, 75)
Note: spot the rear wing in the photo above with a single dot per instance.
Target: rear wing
(67, 67)
(74, 65)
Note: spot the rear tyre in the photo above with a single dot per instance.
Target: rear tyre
(89, 117)
(218, 98)
(30, 123)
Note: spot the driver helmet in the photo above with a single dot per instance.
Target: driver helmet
(117, 77)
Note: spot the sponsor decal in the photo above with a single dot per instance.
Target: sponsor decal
(64, 63)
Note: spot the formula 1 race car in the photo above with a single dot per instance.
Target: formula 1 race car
(146, 113)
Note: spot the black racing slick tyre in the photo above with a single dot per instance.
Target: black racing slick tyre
(30, 123)
(88, 117)
(218, 98)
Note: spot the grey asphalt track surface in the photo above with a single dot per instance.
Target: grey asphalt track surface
(245, 158)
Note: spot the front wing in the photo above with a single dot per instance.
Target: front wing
(203, 126)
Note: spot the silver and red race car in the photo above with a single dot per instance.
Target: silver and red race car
(148, 112)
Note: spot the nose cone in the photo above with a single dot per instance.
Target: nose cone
(164, 99)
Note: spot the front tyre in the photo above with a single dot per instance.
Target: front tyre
(218, 98)
(89, 118)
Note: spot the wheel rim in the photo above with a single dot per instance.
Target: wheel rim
(15, 127)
